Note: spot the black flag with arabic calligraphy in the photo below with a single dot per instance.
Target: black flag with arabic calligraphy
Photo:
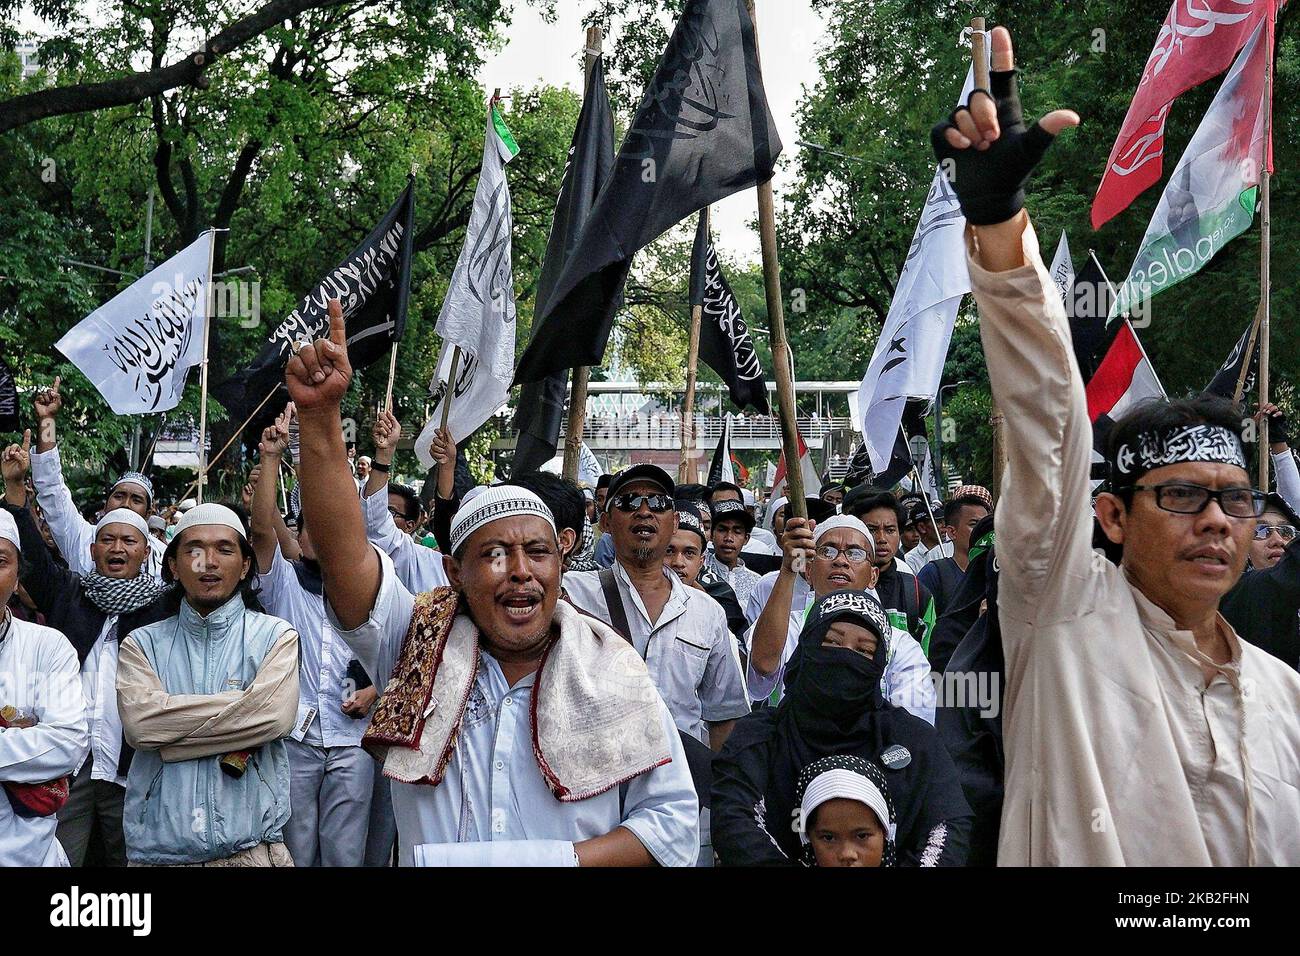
(9, 420)
(702, 132)
(372, 284)
(725, 343)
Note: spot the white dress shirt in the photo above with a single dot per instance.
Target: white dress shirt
(40, 676)
(99, 684)
(906, 682)
(920, 556)
(493, 788)
(419, 568)
(691, 656)
(322, 663)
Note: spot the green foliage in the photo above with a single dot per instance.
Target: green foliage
(298, 143)
(891, 68)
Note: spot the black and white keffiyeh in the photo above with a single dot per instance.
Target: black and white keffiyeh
(122, 595)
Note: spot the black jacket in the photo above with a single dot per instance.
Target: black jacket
(751, 816)
(60, 596)
(1263, 605)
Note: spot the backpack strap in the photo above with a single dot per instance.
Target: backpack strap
(614, 602)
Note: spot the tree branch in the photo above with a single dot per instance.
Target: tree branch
(141, 85)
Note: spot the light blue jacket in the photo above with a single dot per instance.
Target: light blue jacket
(181, 807)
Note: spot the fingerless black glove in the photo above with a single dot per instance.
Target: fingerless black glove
(1277, 430)
(990, 183)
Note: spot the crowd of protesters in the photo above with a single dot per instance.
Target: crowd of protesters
(653, 672)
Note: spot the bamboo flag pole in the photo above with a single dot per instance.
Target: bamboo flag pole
(451, 385)
(217, 457)
(1245, 356)
(980, 58)
(686, 470)
(203, 370)
(1265, 237)
(782, 360)
(581, 374)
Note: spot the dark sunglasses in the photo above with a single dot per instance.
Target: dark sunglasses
(629, 503)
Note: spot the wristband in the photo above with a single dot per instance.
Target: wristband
(378, 466)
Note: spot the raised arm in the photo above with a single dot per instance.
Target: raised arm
(773, 626)
(72, 533)
(989, 155)
(263, 531)
(380, 527)
(42, 576)
(317, 378)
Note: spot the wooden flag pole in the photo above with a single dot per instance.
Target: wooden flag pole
(1245, 356)
(203, 372)
(782, 360)
(980, 58)
(1265, 236)
(581, 373)
(392, 373)
(238, 431)
(451, 385)
(686, 470)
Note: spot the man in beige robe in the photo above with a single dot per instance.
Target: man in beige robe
(1139, 729)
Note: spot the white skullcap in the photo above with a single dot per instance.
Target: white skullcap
(473, 493)
(843, 784)
(156, 523)
(773, 506)
(493, 504)
(187, 504)
(9, 529)
(210, 513)
(123, 516)
(136, 478)
(842, 521)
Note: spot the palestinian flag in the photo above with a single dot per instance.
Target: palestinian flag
(1210, 198)
(1124, 378)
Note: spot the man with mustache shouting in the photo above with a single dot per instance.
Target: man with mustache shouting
(515, 729)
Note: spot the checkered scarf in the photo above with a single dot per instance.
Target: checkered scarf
(122, 595)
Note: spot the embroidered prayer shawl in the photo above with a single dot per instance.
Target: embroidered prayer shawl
(595, 712)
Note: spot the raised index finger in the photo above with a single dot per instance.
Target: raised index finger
(1003, 58)
(338, 327)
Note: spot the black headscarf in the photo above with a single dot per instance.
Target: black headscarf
(833, 704)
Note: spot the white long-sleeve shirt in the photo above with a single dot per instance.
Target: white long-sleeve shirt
(418, 568)
(906, 682)
(493, 789)
(40, 676)
(1288, 478)
(73, 533)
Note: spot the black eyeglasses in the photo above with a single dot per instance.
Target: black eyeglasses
(854, 555)
(399, 514)
(1187, 499)
(1284, 531)
(630, 503)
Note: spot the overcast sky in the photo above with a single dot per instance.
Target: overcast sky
(788, 31)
